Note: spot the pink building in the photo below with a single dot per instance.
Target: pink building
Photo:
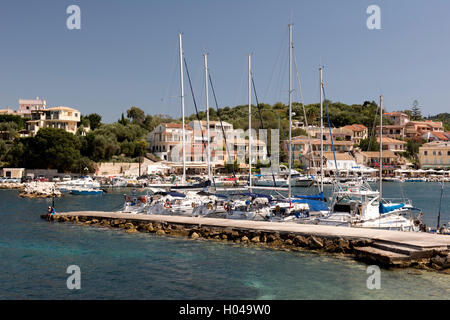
(26, 106)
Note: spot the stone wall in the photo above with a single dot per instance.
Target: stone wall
(275, 240)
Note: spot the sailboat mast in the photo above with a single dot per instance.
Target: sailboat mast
(321, 129)
(290, 113)
(208, 156)
(250, 119)
(182, 107)
(381, 148)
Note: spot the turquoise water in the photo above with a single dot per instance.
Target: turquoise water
(115, 265)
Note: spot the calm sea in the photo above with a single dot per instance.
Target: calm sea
(35, 255)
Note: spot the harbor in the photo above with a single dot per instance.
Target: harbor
(224, 151)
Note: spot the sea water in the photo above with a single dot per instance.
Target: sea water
(35, 255)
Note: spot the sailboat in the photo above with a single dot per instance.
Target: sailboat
(357, 205)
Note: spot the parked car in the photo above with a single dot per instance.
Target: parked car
(41, 178)
(9, 180)
(67, 178)
(27, 179)
(56, 179)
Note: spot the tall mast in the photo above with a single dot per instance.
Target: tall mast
(208, 156)
(250, 119)
(381, 148)
(321, 129)
(182, 107)
(290, 113)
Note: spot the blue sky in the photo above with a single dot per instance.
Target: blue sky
(126, 52)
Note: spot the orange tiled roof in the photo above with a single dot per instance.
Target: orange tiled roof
(440, 135)
(390, 140)
(175, 125)
(356, 127)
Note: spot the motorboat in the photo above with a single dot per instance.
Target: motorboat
(84, 182)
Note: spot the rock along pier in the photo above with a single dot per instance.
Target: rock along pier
(382, 247)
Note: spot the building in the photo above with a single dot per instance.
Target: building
(394, 131)
(168, 137)
(415, 129)
(393, 145)
(8, 110)
(435, 155)
(436, 136)
(403, 128)
(302, 146)
(166, 142)
(12, 173)
(344, 161)
(58, 117)
(26, 106)
(391, 161)
(359, 132)
(399, 118)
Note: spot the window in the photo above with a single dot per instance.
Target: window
(425, 153)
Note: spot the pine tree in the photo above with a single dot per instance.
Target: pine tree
(415, 111)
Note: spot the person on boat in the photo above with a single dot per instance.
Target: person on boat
(443, 229)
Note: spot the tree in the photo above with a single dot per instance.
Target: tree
(124, 121)
(95, 120)
(13, 118)
(137, 115)
(299, 132)
(369, 144)
(416, 115)
(50, 149)
(8, 130)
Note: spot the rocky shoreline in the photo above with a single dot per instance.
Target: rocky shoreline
(12, 186)
(436, 260)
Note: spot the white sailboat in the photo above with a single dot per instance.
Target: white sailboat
(357, 205)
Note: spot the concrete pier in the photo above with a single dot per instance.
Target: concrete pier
(383, 247)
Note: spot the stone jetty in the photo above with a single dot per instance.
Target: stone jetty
(382, 247)
(40, 190)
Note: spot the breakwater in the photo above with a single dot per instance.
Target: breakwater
(381, 247)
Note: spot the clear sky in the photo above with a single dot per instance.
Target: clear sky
(126, 52)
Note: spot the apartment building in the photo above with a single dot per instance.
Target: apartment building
(27, 106)
(359, 132)
(399, 118)
(435, 155)
(394, 145)
(165, 141)
(167, 137)
(58, 117)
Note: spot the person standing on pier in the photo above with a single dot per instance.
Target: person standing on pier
(51, 212)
